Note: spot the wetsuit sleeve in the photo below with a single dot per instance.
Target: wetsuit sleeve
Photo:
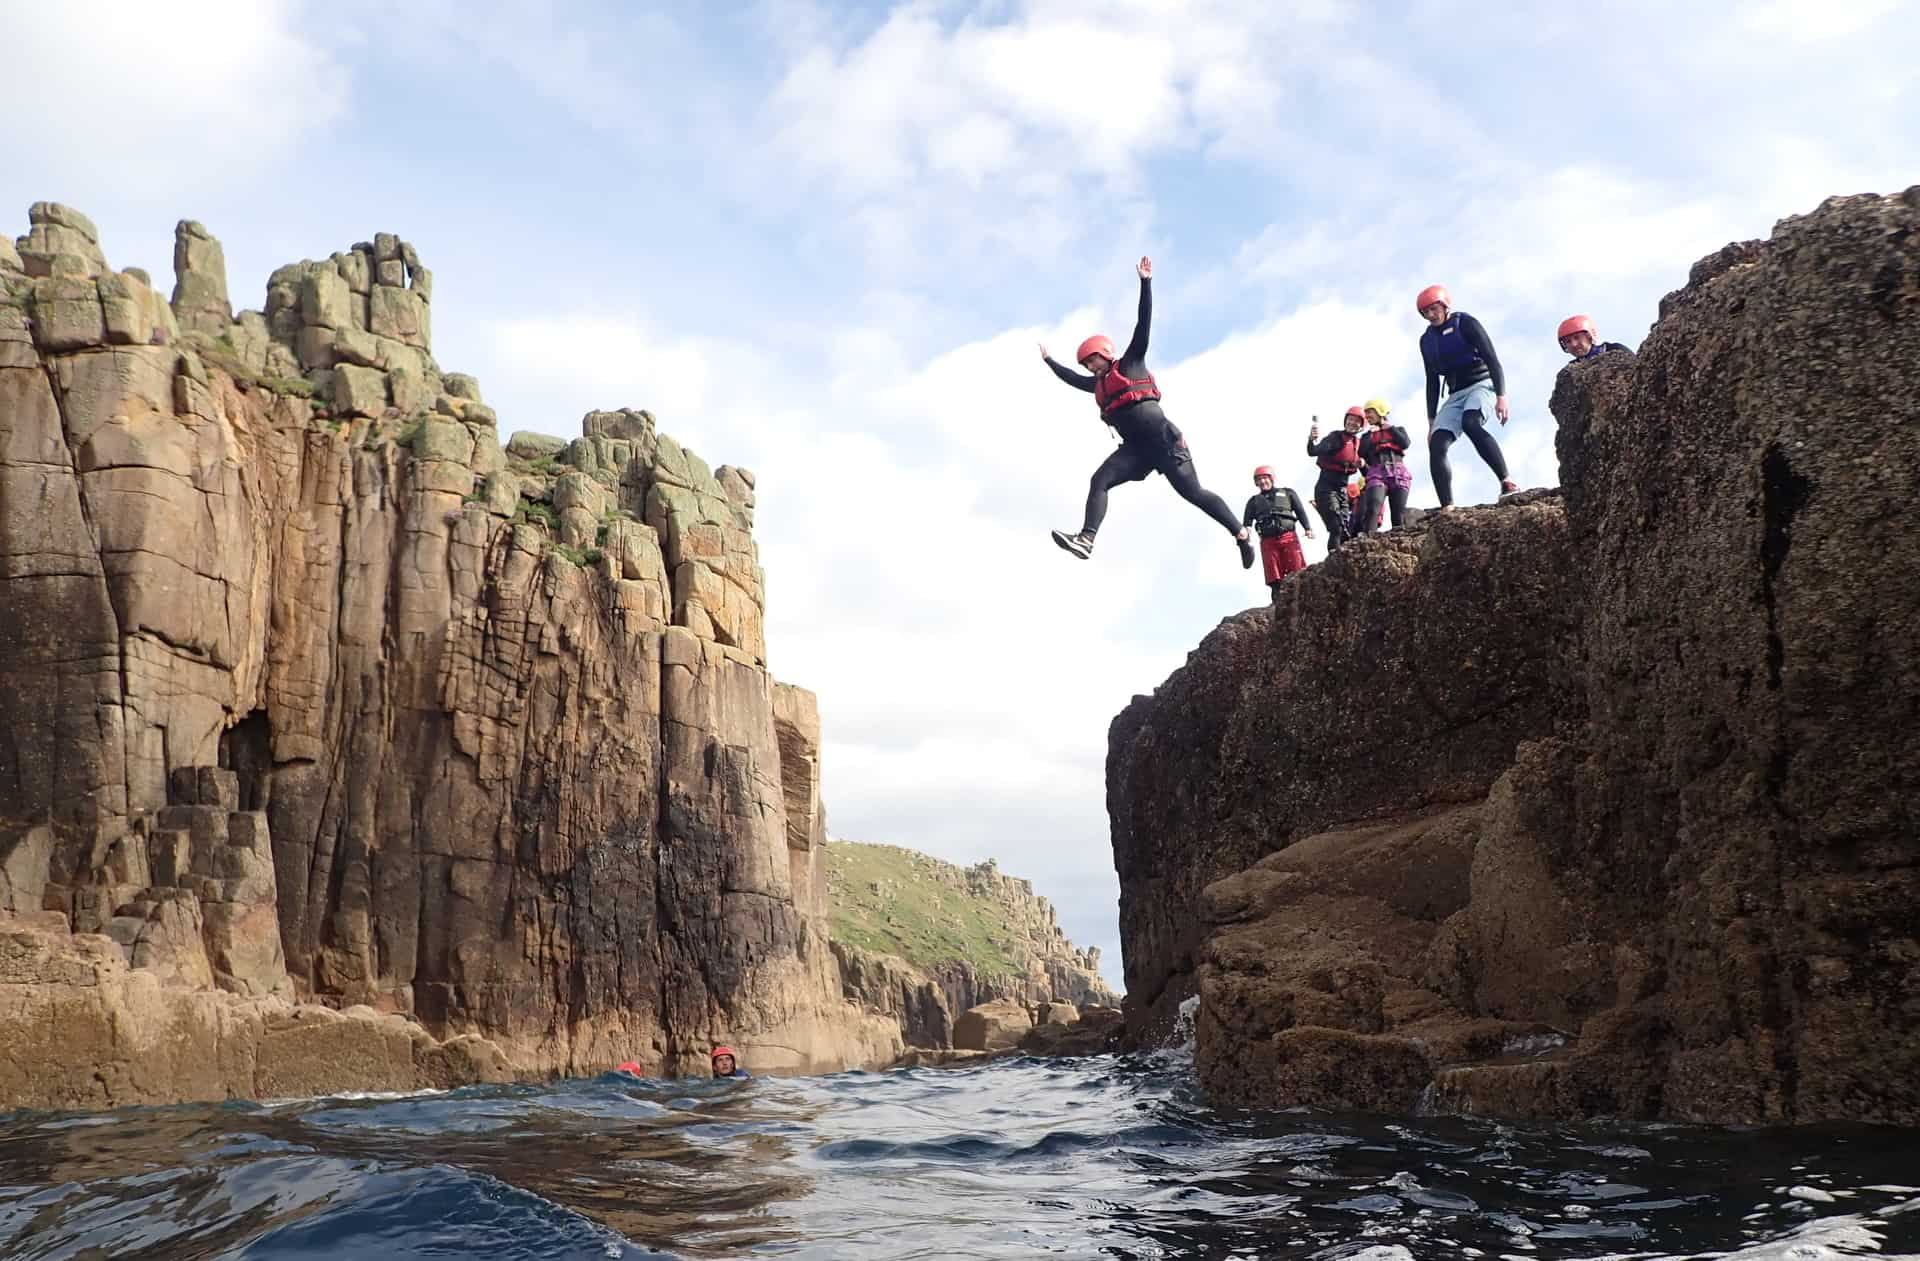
(1246, 518)
(1367, 445)
(1078, 380)
(1137, 348)
(1476, 335)
(1327, 447)
(1433, 381)
(1299, 509)
(1400, 436)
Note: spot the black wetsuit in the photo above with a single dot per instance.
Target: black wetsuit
(1458, 370)
(1330, 491)
(1149, 442)
(1274, 512)
(1372, 452)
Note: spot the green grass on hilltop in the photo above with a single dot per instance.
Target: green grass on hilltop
(912, 915)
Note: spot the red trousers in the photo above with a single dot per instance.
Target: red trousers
(1281, 556)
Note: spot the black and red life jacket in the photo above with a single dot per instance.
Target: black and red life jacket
(1114, 391)
(1386, 447)
(1347, 459)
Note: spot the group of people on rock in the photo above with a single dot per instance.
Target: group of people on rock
(1363, 471)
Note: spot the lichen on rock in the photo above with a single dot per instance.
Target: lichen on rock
(301, 665)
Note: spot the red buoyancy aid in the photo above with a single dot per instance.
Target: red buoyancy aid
(1114, 391)
(1348, 458)
(1386, 448)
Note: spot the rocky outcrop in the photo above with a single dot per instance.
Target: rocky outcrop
(1457, 629)
(295, 649)
(922, 941)
(1638, 839)
(81, 1028)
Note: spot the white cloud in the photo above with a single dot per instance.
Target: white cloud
(108, 99)
(1815, 20)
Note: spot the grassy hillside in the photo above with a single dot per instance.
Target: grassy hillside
(911, 913)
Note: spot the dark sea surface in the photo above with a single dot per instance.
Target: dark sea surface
(1100, 1157)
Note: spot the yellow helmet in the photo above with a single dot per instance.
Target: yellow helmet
(1378, 405)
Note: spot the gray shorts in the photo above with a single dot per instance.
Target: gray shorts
(1476, 397)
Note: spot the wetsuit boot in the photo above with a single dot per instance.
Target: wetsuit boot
(1246, 551)
(1080, 544)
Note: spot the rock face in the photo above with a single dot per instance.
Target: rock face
(1458, 629)
(1641, 839)
(295, 650)
(922, 941)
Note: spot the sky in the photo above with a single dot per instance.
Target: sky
(822, 241)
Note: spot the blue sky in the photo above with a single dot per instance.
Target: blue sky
(821, 241)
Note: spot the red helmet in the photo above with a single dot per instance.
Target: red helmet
(1265, 470)
(1359, 412)
(631, 1067)
(726, 1051)
(1430, 295)
(1098, 344)
(1577, 324)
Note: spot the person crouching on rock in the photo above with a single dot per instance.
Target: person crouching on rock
(1275, 513)
(1389, 477)
(1339, 457)
(1458, 354)
(724, 1064)
(1578, 338)
(1129, 401)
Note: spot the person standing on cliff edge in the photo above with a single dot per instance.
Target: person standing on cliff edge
(1384, 450)
(1129, 401)
(1459, 355)
(1338, 455)
(1276, 512)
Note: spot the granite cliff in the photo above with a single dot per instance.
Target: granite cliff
(1627, 824)
(923, 941)
(319, 697)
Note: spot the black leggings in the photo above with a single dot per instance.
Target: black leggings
(1330, 501)
(1132, 463)
(1370, 505)
(1477, 433)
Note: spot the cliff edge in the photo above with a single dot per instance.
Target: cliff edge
(1591, 803)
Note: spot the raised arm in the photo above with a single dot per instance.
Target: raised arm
(1078, 380)
(1137, 348)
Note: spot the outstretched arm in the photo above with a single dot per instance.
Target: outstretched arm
(1078, 380)
(1137, 348)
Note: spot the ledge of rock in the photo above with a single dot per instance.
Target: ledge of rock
(1634, 835)
(316, 693)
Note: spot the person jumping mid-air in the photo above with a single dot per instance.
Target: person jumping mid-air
(1149, 443)
(1459, 354)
